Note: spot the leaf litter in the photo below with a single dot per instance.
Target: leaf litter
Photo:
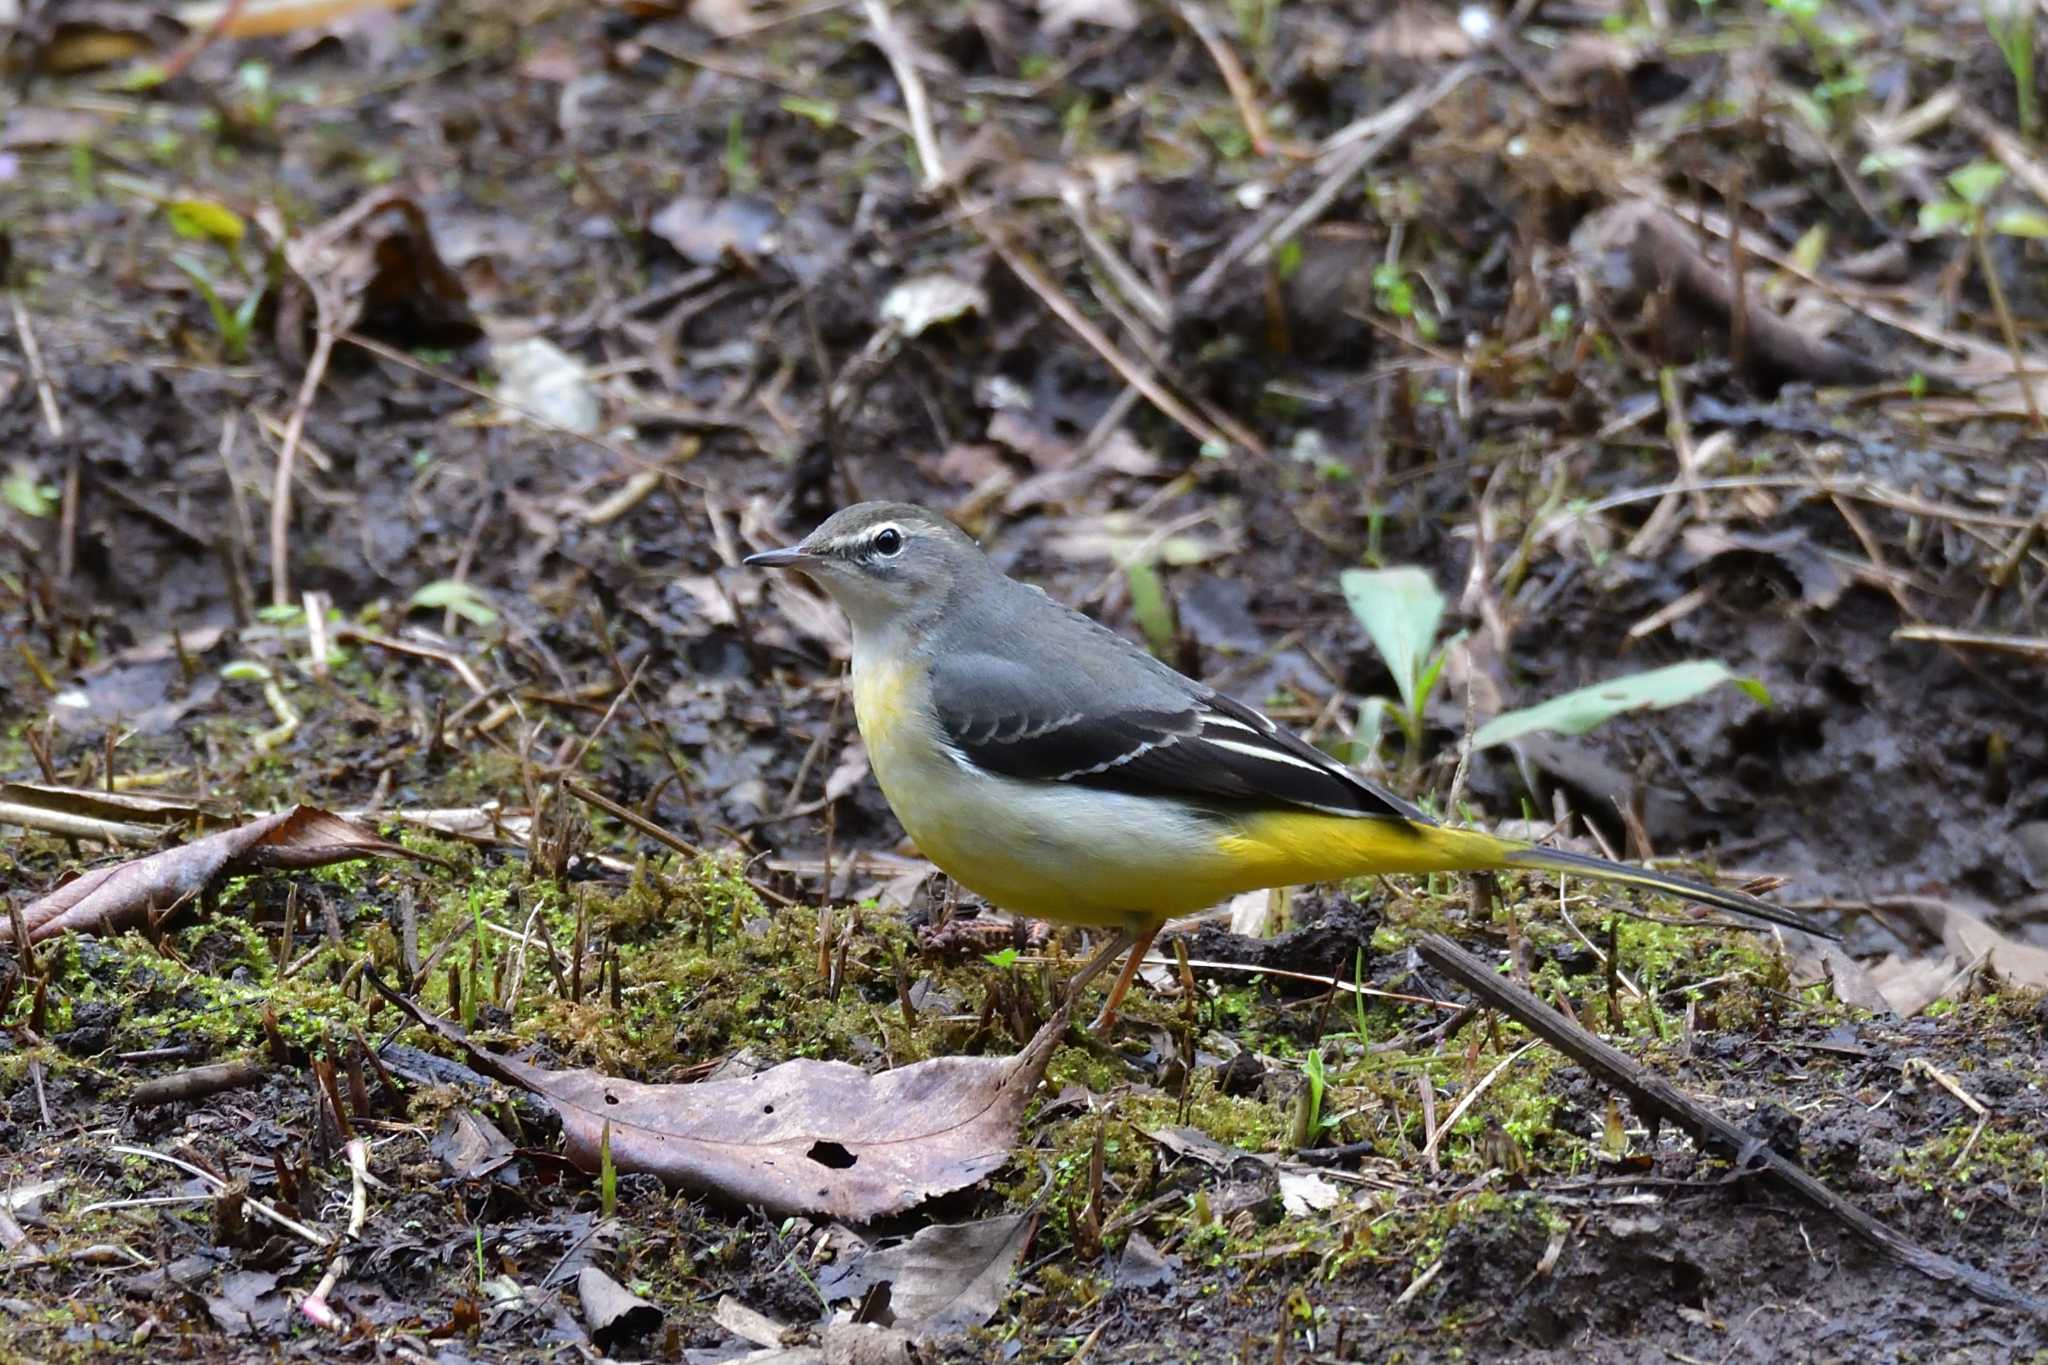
(1433, 372)
(804, 1137)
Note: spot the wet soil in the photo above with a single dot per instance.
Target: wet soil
(710, 224)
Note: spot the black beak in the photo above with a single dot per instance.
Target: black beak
(792, 557)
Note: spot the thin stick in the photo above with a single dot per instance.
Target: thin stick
(903, 63)
(611, 448)
(1137, 376)
(287, 456)
(33, 353)
(1345, 153)
(1655, 1097)
(2005, 644)
(293, 1226)
(1239, 85)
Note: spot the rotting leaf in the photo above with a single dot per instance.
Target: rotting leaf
(1577, 711)
(112, 898)
(805, 1137)
(703, 232)
(88, 813)
(928, 300)
(1635, 254)
(469, 1146)
(947, 1279)
(374, 267)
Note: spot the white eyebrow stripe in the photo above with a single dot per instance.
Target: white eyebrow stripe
(1269, 753)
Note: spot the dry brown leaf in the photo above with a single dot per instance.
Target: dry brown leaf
(1635, 256)
(374, 268)
(89, 813)
(949, 1278)
(805, 1137)
(111, 898)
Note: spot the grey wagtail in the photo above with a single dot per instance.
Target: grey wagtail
(1058, 770)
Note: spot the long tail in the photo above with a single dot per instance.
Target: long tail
(1735, 902)
(1283, 847)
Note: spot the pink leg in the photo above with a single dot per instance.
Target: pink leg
(1141, 943)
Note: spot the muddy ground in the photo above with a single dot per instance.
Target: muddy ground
(1500, 344)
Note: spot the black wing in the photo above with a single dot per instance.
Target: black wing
(1132, 724)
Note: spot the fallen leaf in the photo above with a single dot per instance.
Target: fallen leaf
(615, 1314)
(1634, 252)
(703, 232)
(1141, 1266)
(928, 300)
(748, 1324)
(947, 1279)
(248, 1304)
(804, 1137)
(539, 377)
(269, 18)
(469, 1146)
(110, 898)
(374, 267)
(1305, 1192)
(1057, 16)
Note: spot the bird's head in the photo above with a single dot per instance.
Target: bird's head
(885, 563)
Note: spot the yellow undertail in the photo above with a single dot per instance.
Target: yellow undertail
(1288, 847)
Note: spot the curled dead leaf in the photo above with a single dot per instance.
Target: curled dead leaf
(805, 1137)
(116, 897)
(1639, 258)
(374, 268)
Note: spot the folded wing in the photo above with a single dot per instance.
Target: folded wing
(1152, 731)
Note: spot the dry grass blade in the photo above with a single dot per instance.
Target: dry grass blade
(1138, 376)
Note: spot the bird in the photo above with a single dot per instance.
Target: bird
(1060, 771)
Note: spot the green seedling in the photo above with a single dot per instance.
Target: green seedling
(234, 325)
(1401, 611)
(1966, 210)
(452, 594)
(2011, 26)
(1576, 712)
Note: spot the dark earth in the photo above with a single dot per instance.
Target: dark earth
(1468, 357)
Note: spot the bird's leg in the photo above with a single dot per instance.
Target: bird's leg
(1123, 939)
(1141, 943)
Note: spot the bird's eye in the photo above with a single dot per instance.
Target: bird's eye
(889, 541)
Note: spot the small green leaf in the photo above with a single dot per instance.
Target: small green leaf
(205, 220)
(1940, 215)
(824, 113)
(245, 670)
(1576, 712)
(1977, 182)
(2021, 223)
(1150, 607)
(26, 495)
(456, 596)
(1401, 610)
(281, 614)
(1287, 259)
(1002, 957)
(1811, 246)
